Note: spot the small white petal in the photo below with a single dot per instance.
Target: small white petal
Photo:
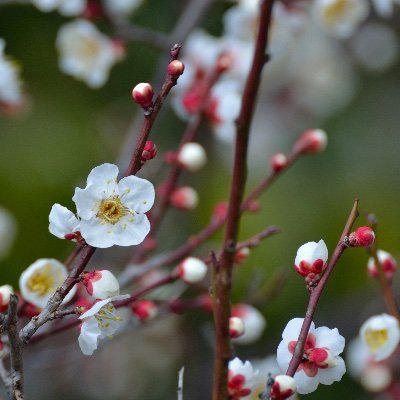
(329, 375)
(62, 221)
(137, 194)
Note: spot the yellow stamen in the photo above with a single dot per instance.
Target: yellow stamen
(111, 210)
(334, 10)
(376, 339)
(42, 281)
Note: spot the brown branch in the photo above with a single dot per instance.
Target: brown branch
(317, 291)
(223, 276)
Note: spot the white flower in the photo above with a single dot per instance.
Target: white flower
(68, 8)
(111, 212)
(8, 228)
(41, 279)
(254, 323)
(284, 386)
(311, 258)
(122, 7)
(10, 86)
(191, 270)
(384, 7)
(381, 334)
(321, 362)
(192, 156)
(85, 53)
(101, 284)
(5, 292)
(340, 18)
(62, 221)
(387, 262)
(241, 379)
(100, 321)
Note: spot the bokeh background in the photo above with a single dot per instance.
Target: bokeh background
(67, 129)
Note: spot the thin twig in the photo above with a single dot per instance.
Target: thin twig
(223, 279)
(180, 383)
(317, 291)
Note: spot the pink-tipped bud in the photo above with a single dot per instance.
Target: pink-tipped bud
(205, 302)
(278, 162)
(241, 255)
(254, 323)
(311, 141)
(311, 259)
(144, 310)
(283, 387)
(387, 262)
(5, 293)
(192, 157)
(361, 237)
(220, 211)
(175, 68)
(191, 270)
(184, 198)
(149, 151)
(224, 62)
(253, 206)
(236, 327)
(101, 284)
(142, 94)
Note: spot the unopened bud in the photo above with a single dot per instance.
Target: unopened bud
(361, 237)
(311, 141)
(236, 327)
(192, 157)
(5, 293)
(144, 310)
(142, 94)
(283, 387)
(192, 270)
(220, 211)
(184, 198)
(278, 162)
(253, 206)
(149, 151)
(387, 262)
(176, 68)
(101, 284)
(241, 255)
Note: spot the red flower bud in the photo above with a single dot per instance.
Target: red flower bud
(311, 141)
(149, 151)
(278, 162)
(361, 237)
(176, 68)
(142, 94)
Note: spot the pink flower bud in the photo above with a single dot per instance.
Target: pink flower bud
(311, 141)
(220, 211)
(311, 258)
(142, 94)
(144, 310)
(224, 62)
(283, 387)
(236, 327)
(191, 270)
(192, 157)
(175, 68)
(101, 284)
(184, 198)
(278, 162)
(361, 237)
(387, 262)
(242, 255)
(253, 206)
(149, 151)
(5, 292)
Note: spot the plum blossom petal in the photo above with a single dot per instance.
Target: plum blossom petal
(62, 221)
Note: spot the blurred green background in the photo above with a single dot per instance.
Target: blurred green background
(69, 128)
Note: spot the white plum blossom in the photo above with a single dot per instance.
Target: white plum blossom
(86, 53)
(109, 212)
(8, 226)
(253, 321)
(100, 321)
(321, 362)
(101, 284)
(68, 8)
(62, 221)
(5, 293)
(192, 156)
(340, 18)
(10, 85)
(381, 334)
(311, 258)
(384, 7)
(387, 262)
(41, 279)
(241, 379)
(191, 270)
(122, 7)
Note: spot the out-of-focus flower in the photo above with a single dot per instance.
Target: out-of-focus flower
(68, 8)
(101, 284)
(184, 198)
(321, 362)
(144, 310)
(191, 270)
(254, 323)
(236, 327)
(311, 258)
(387, 262)
(85, 53)
(99, 322)
(278, 162)
(384, 7)
(311, 141)
(241, 377)
(111, 212)
(8, 226)
(41, 279)
(62, 222)
(192, 156)
(381, 334)
(10, 85)
(5, 292)
(122, 7)
(340, 18)
(241, 255)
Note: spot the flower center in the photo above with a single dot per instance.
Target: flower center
(106, 316)
(41, 281)
(376, 338)
(335, 10)
(111, 210)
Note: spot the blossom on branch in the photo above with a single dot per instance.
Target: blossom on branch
(41, 279)
(62, 222)
(99, 322)
(5, 292)
(101, 284)
(191, 270)
(241, 379)
(320, 361)
(311, 258)
(283, 387)
(253, 321)
(387, 262)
